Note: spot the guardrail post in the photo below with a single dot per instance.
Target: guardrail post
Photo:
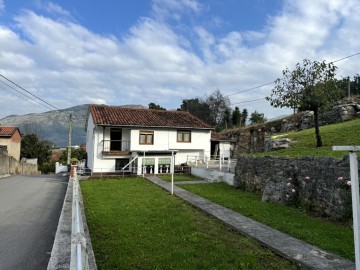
(354, 195)
(220, 163)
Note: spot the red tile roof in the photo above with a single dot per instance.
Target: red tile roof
(119, 116)
(7, 131)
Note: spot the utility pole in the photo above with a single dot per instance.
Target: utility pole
(70, 134)
(349, 87)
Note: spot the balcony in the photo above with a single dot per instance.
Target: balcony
(115, 147)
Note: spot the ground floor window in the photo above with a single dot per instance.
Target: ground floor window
(121, 163)
(164, 165)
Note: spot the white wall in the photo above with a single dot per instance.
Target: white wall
(224, 148)
(102, 164)
(90, 142)
(213, 175)
(167, 140)
(60, 168)
(94, 145)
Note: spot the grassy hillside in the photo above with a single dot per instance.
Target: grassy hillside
(304, 142)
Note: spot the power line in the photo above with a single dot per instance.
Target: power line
(29, 92)
(29, 97)
(250, 89)
(249, 101)
(338, 60)
(345, 57)
(17, 95)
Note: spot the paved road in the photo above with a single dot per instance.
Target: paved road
(30, 208)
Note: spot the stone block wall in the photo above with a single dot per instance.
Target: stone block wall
(16, 167)
(4, 161)
(316, 183)
(9, 165)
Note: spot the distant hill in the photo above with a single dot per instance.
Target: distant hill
(54, 125)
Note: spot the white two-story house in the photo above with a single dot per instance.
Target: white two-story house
(142, 140)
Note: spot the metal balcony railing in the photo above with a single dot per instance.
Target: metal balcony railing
(116, 145)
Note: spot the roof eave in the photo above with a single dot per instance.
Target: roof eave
(143, 126)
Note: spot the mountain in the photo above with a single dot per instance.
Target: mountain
(54, 125)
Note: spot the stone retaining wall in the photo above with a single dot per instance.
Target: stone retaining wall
(316, 183)
(25, 168)
(9, 165)
(4, 161)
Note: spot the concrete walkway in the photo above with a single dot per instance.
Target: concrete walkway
(300, 252)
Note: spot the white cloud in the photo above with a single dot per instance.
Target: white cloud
(174, 9)
(51, 7)
(67, 64)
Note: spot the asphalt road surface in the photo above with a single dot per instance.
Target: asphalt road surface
(30, 208)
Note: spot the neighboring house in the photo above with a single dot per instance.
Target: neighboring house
(11, 138)
(117, 136)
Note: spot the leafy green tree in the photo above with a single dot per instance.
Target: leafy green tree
(156, 106)
(244, 116)
(33, 147)
(198, 108)
(77, 153)
(343, 84)
(257, 118)
(236, 117)
(310, 86)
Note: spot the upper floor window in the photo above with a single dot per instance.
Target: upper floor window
(184, 136)
(146, 137)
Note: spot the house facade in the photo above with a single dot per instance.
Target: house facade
(10, 137)
(142, 140)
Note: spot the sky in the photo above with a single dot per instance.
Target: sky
(163, 51)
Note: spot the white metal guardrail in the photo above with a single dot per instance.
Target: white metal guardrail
(79, 257)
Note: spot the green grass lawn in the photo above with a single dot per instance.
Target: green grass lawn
(324, 234)
(136, 225)
(346, 133)
(179, 177)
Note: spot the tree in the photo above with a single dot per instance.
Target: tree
(244, 116)
(77, 153)
(310, 86)
(236, 117)
(218, 104)
(257, 118)
(154, 106)
(33, 147)
(226, 119)
(343, 84)
(211, 109)
(198, 108)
